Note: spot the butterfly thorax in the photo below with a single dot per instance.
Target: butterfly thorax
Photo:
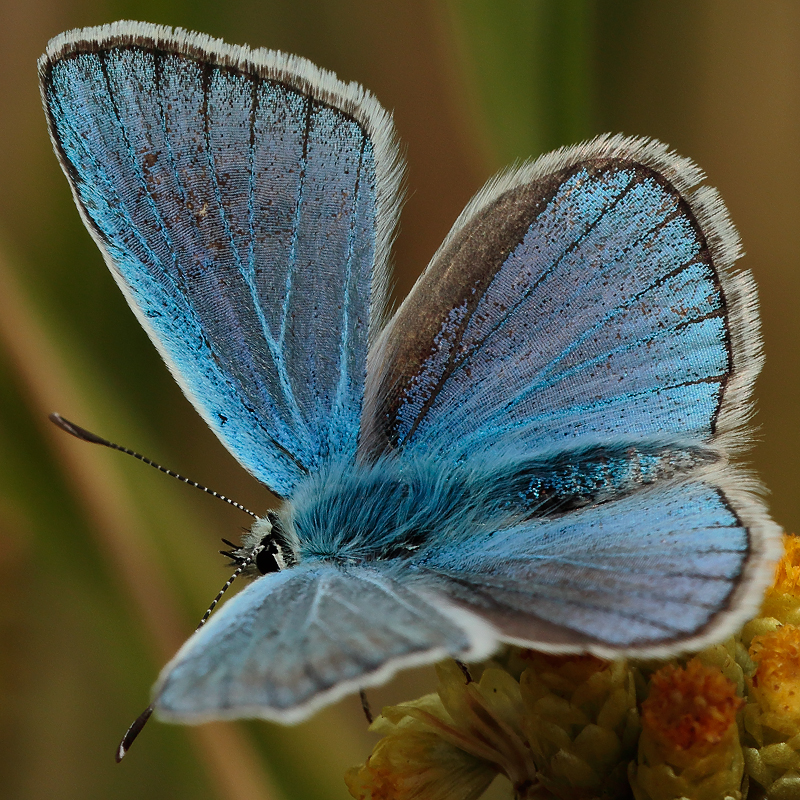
(398, 508)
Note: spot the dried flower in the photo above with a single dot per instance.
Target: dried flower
(451, 745)
(772, 717)
(413, 761)
(775, 685)
(782, 600)
(728, 657)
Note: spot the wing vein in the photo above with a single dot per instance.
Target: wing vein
(482, 590)
(142, 182)
(342, 384)
(453, 364)
(181, 291)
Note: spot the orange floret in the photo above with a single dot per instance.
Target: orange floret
(691, 708)
(776, 681)
(787, 573)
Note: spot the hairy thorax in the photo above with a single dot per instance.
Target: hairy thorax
(394, 509)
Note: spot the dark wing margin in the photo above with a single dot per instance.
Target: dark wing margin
(245, 202)
(586, 297)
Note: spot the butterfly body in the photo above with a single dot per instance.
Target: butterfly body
(535, 448)
(357, 513)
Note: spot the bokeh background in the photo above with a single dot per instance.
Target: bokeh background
(105, 566)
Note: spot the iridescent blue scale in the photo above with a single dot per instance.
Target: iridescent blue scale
(534, 448)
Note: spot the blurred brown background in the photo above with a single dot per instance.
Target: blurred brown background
(104, 567)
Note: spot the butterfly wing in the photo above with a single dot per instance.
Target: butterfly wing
(646, 573)
(244, 201)
(668, 568)
(585, 297)
(294, 641)
(584, 307)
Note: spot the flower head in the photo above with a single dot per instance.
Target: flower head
(782, 600)
(581, 723)
(689, 745)
(689, 711)
(775, 684)
(450, 745)
(414, 762)
(772, 716)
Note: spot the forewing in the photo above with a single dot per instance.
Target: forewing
(244, 201)
(585, 297)
(675, 566)
(294, 641)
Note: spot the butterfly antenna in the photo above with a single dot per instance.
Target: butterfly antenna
(245, 562)
(132, 732)
(88, 436)
(138, 724)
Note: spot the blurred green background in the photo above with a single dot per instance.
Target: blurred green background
(105, 567)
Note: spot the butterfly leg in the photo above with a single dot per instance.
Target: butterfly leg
(365, 706)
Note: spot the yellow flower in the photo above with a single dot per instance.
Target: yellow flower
(775, 685)
(782, 600)
(581, 722)
(772, 717)
(449, 746)
(689, 745)
(413, 762)
(728, 657)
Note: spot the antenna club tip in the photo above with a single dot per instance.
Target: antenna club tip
(63, 423)
(76, 430)
(132, 732)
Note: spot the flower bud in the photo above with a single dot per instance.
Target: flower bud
(689, 745)
(581, 723)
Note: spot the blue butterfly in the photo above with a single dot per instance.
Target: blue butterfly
(533, 449)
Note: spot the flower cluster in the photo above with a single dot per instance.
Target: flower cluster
(723, 725)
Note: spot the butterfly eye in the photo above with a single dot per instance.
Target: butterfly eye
(268, 560)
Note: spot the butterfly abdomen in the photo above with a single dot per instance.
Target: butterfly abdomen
(544, 487)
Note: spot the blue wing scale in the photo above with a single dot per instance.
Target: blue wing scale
(599, 578)
(296, 640)
(237, 206)
(641, 347)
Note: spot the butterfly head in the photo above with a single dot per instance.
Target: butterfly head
(267, 547)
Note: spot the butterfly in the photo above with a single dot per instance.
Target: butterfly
(534, 448)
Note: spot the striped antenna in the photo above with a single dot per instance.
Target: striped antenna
(138, 724)
(88, 436)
